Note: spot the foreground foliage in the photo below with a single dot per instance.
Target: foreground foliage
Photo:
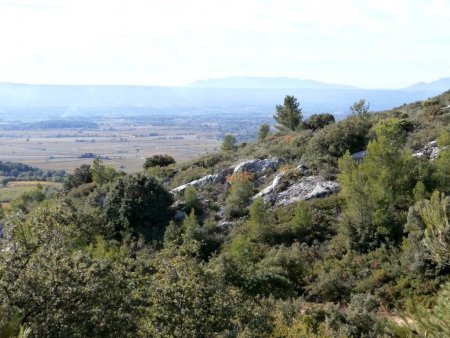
(105, 256)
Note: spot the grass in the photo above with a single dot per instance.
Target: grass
(15, 189)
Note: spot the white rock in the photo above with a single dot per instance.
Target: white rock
(254, 166)
(302, 169)
(258, 166)
(429, 152)
(224, 225)
(268, 190)
(196, 183)
(307, 188)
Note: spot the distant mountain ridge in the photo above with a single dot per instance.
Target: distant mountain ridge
(441, 85)
(255, 82)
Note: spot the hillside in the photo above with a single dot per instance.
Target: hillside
(322, 228)
(424, 110)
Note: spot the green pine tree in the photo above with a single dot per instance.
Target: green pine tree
(288, 115)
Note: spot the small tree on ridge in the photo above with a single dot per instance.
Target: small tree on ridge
(289, 115)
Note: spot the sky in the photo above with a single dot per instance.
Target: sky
(367, 43)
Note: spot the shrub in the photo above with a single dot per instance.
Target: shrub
(81, 175)
(138, 204)
(317, 121)
(158, 160)
(191, 199)
(239, 197)
(229, 143)
(264, 130)
(330, 143)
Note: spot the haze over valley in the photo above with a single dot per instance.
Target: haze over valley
(244, 95)
(53, 126)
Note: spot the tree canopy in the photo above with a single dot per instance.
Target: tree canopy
(138, 204)
(229, 142)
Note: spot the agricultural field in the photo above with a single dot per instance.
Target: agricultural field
(121, 144)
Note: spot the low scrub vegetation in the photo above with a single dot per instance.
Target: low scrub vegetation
(112, 254)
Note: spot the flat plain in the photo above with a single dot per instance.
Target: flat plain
(120, 144)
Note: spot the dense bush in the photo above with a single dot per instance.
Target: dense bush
(330, 143)
(241, 192)
(55, 289)
(377, 190)
(158, 160)
(138, 204)
(229, 143)
(317, 121)
(81, 175)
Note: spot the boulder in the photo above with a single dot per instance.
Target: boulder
(224, 226)
(253, 166)
(268, 190)
(258, 166)
(200, 182)
(360, 155)
(429, 152)
(307, 188)
(301, 169)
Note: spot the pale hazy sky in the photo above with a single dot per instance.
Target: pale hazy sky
(370, 43)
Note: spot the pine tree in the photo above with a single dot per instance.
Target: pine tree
(442, 164)
(159, 160)
(435, 322)
(238, 199)
(257, 224)
(191, 199)
(434, 215)
(190, 226)
(289, 115)
(264, 130)
(376, 191)
(360, 107)
(229, 142)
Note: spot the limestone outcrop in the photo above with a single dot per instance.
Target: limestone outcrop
(256, 166)
(429, 152)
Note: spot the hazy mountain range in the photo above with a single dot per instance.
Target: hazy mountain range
(438, 85)
(266, 83)
(291, 83)
(218, 96)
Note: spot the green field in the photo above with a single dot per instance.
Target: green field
(14, 189)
